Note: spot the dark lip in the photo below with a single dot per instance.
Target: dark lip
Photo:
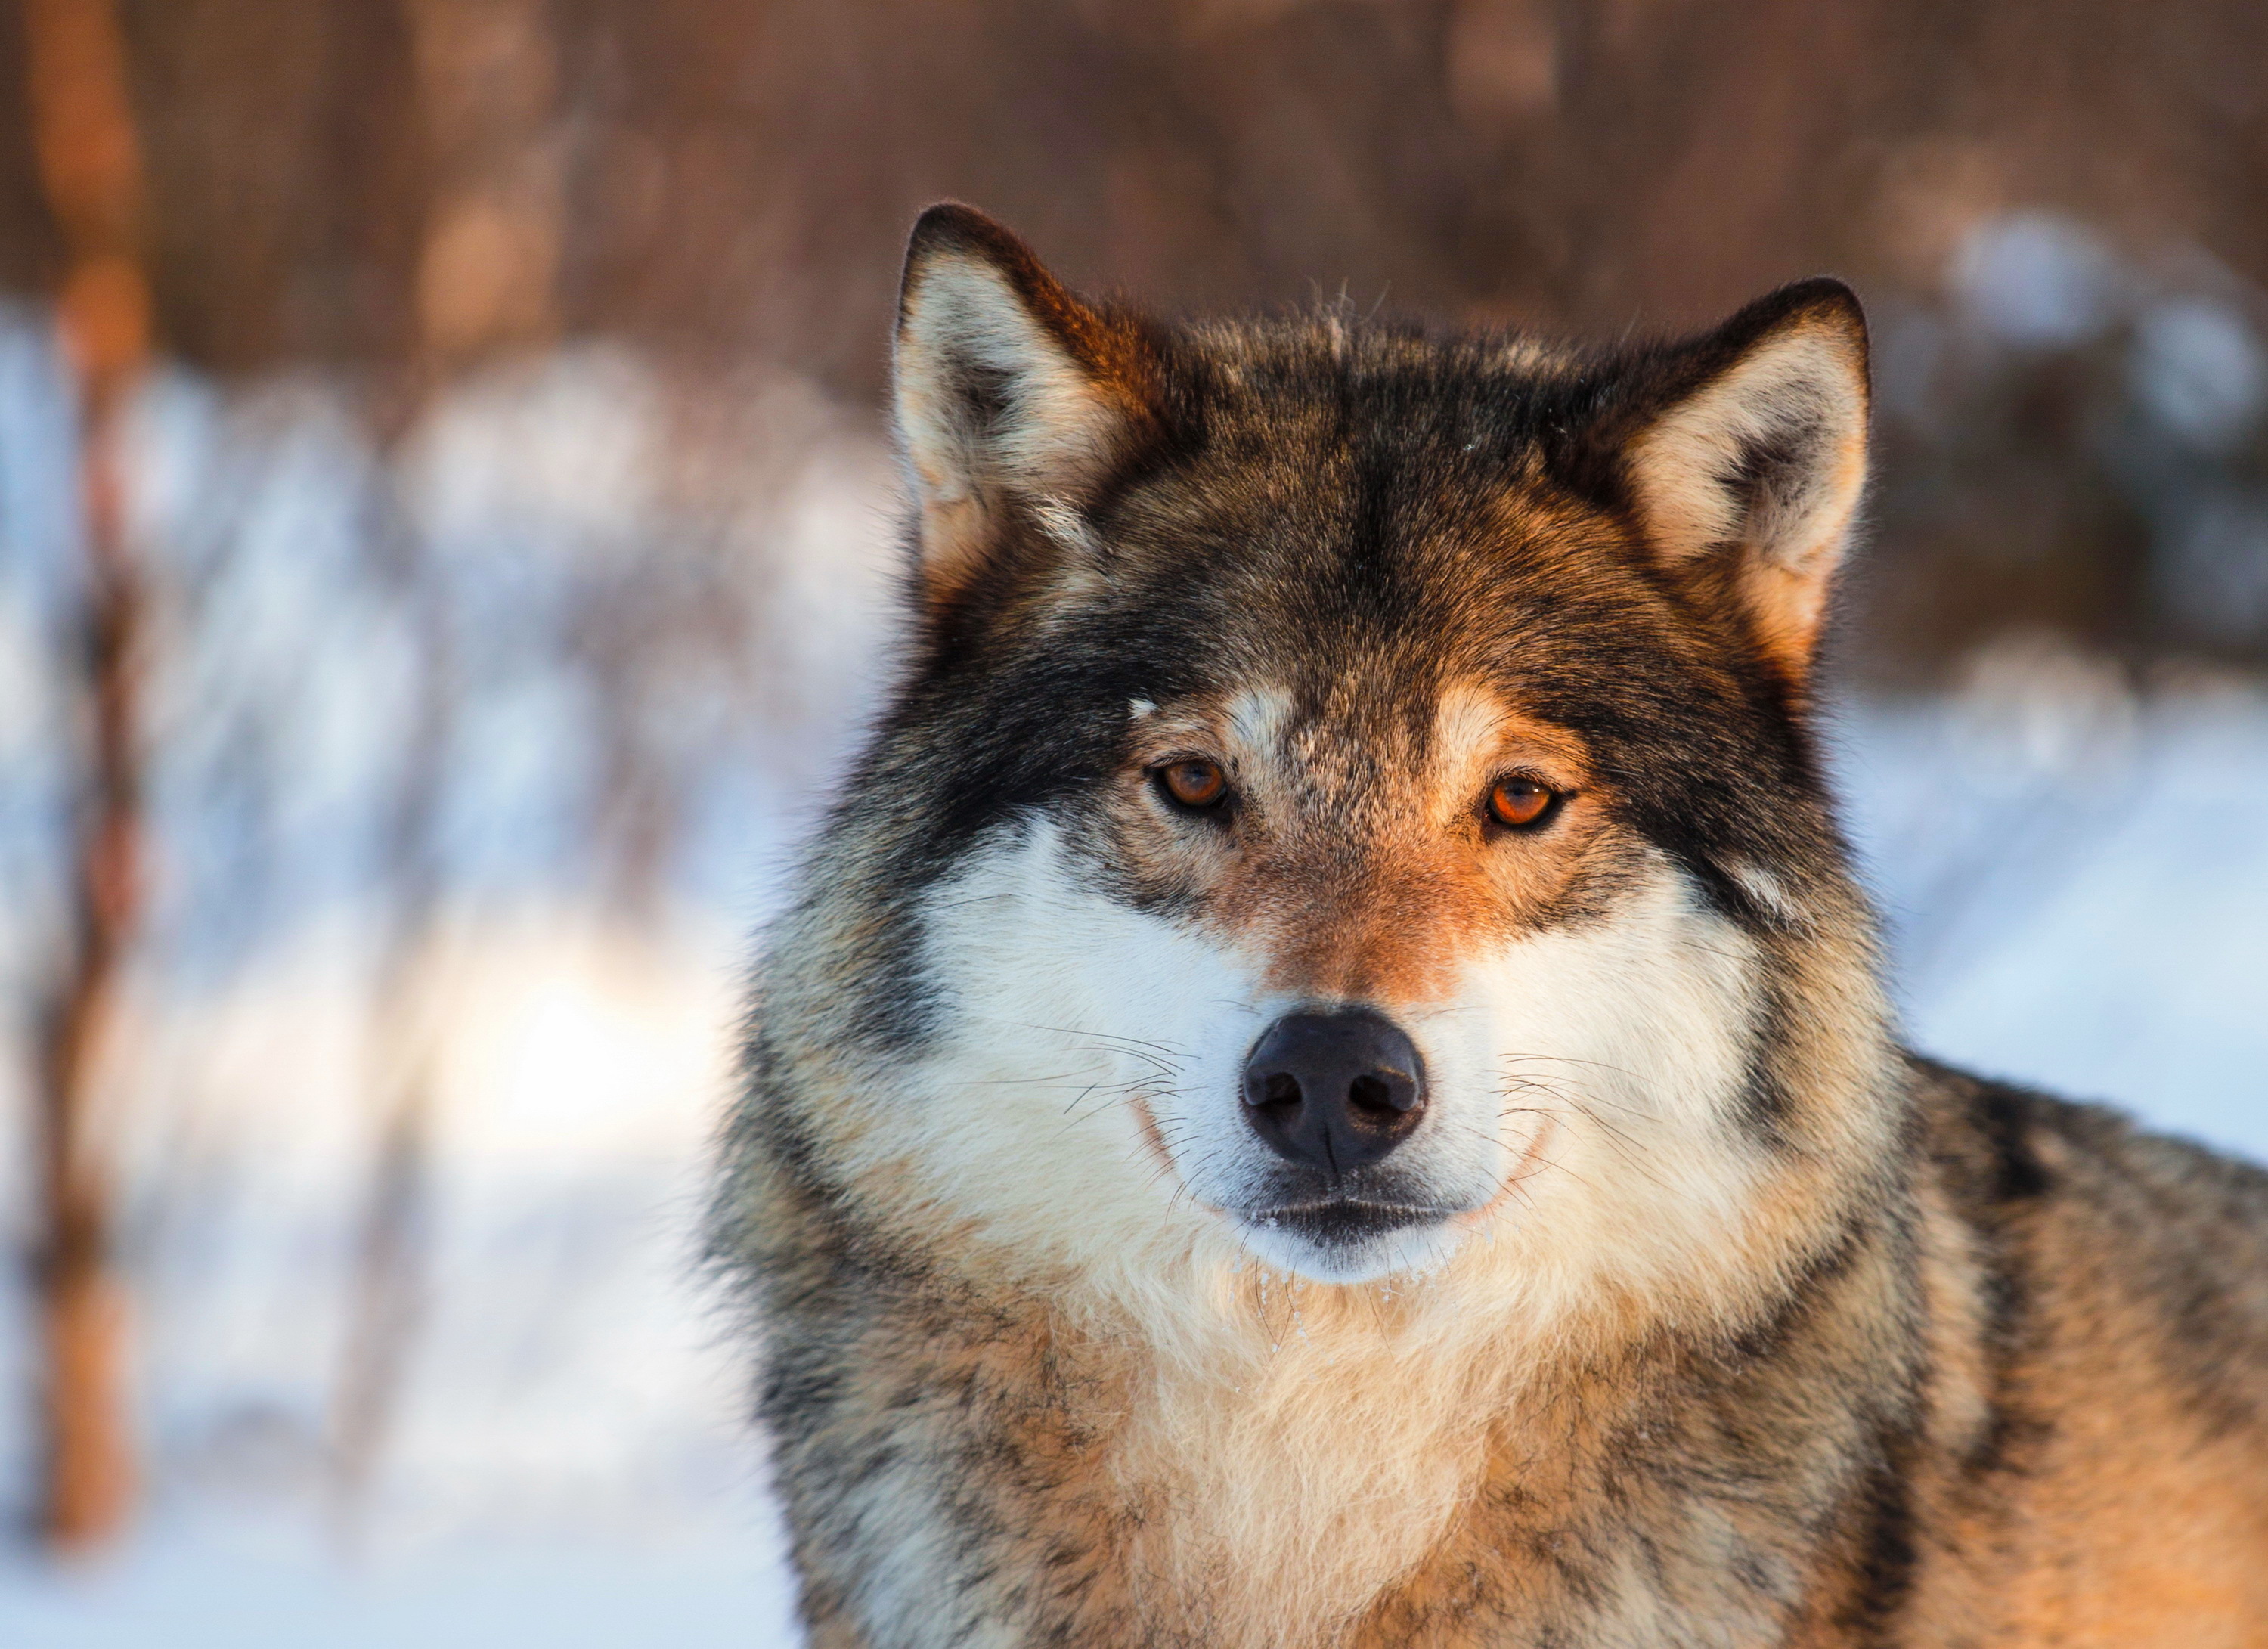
(1342, 1222)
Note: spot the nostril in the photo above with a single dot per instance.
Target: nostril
(1283, 1088)
(1374, 1094)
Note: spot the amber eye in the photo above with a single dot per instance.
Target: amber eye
(1193, 782)
(1519, 801)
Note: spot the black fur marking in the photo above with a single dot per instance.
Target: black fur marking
(1886, 1555)
(1765, 1107)
(1800, 1304)
(2004, 1116)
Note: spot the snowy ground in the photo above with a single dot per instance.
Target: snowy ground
(2078, 887)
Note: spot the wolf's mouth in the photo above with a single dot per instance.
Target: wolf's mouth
(1345, 1222)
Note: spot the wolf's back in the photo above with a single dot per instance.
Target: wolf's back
(2115, 1486)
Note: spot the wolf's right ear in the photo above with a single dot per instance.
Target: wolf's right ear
(1010, 393)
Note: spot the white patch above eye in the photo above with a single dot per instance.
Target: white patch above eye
(1467, 728)
(1138, 708)
(1067, 527)
(1768, 892)
(1257, 719)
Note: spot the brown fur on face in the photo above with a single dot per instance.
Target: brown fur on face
(1767, 1333)
(1355, 849)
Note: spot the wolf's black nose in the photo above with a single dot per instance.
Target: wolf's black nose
(1334, 1090)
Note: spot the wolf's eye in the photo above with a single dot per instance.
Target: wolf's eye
(1518, 801)
(1193, 782)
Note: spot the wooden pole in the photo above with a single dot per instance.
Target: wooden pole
(89, 168)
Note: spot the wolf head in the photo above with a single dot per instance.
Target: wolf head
(1350, 801)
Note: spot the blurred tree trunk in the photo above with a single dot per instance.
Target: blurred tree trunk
(484, 92)
(89, 168)
(386, 1305)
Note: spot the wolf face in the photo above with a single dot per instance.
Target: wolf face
(1349, 798)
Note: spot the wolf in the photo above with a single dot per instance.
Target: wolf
(1327, 1080)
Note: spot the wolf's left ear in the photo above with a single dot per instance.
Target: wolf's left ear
(1011, 394)
(1746, 472)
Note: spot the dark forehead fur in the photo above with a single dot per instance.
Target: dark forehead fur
(1356, 514)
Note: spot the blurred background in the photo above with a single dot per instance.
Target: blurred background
(445, 542)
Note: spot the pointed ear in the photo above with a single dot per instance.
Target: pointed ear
(1011, 394)
(1747, 469)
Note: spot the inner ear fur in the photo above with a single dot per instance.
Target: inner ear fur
(1009, 394)
(1747, 470)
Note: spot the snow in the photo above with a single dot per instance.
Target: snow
(191, 1593)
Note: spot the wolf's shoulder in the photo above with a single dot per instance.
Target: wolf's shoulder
(2000, 1143)
(2109, 1230)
